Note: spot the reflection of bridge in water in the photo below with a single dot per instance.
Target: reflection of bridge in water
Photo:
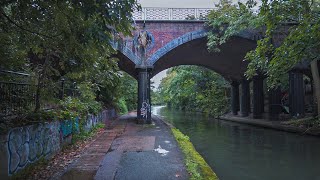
(168, 37)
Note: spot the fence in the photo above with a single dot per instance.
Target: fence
(17, 93)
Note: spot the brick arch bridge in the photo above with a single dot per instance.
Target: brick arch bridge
(174, 40)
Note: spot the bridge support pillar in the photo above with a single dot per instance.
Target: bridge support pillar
(275, 105)
(296, 94)
(245, 98)
(258, 97)
(144, 99)
(235, 97)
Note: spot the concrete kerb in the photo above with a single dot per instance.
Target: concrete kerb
(173, 127)
(271, 125)
(166, 123)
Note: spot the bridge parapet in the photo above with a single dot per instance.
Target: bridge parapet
(171, 14)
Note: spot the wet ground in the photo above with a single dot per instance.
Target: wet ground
(131, 151)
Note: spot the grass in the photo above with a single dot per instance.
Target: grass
(197, 167)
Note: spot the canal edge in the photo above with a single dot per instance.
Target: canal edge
(270, 125)
(191, 155)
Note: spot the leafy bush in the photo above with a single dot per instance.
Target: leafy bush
(122, 107)
(196, 89)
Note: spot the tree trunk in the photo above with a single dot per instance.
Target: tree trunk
(41, 77)
(37, 98)
(316, 80)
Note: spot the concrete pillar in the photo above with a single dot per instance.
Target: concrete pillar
(258, 97)
(245, 98)
(296, 94)
(235, 107)
(275, 106)
(144, 103)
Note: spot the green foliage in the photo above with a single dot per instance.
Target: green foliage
(228, 20)
(41, 116)
(156, 98)
(196, 165)
(300, 44)
(128, 91)
(196, 89)
(273, 58)
(122, 107)
(50, 39)
(80, 107)
(121, 93)
(84, 105)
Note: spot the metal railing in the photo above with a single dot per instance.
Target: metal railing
(15, 98)
(16, 93)
(156, 13)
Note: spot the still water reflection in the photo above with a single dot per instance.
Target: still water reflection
(242, 152)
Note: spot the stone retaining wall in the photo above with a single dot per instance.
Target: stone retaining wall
(25, 145)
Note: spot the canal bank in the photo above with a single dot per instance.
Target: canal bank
(238, 151)
(196, 166)
(277, 125)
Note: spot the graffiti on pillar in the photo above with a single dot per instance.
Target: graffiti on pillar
(144, 41)
(28, 144)
(145, 108)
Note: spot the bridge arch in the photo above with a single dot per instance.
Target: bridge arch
(191, 49)
(126, 64)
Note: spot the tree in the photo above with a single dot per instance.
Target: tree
(51, 39)
(301, 42)
(195, 89)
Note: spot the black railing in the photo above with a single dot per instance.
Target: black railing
(16, 93)
(15, 98)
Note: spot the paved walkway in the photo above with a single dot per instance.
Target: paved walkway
(131, 151)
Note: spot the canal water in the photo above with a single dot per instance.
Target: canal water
(242, 152)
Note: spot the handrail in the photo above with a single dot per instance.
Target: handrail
(14, 73)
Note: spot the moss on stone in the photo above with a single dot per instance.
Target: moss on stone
(195, 164)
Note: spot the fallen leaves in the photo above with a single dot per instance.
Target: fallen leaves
(60, 162)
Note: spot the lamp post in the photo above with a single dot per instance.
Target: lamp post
(62, 88)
